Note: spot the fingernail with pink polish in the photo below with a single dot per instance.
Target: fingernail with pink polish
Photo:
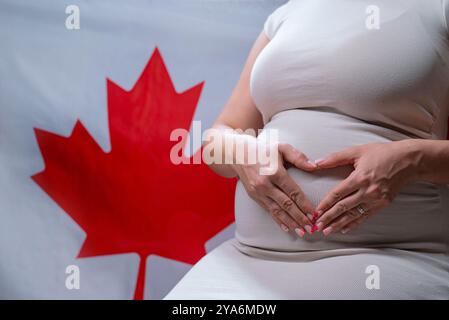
(319, 225)
(317, 161)
(284, 227)
(312, 163)
(327, 231)
(308, 229)
(316, 214)
(300, 232)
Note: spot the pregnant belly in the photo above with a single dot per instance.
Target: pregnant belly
(414, 220)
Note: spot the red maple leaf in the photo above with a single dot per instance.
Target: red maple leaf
(133, 198)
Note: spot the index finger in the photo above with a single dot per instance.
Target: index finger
(284, 182)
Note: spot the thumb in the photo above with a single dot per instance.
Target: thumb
(338, 159)
(296, 157)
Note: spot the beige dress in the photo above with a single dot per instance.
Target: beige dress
(330, 79)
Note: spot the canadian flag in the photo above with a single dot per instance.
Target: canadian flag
(90, 204)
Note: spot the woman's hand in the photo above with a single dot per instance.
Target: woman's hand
(380, 170)
(278, 193)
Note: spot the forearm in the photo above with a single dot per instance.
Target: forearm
(432, 160)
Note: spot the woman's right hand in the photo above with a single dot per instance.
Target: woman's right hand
(278, 193)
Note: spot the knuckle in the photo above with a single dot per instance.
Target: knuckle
(295, 195)
(259, 183)
(342, 207)
(336, 195)
(287, 204)
(251, 190)
(276, 212)
(363, 178)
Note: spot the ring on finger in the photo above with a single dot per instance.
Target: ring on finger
(361, 210)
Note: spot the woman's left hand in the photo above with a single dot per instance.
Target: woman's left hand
(380, 170)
